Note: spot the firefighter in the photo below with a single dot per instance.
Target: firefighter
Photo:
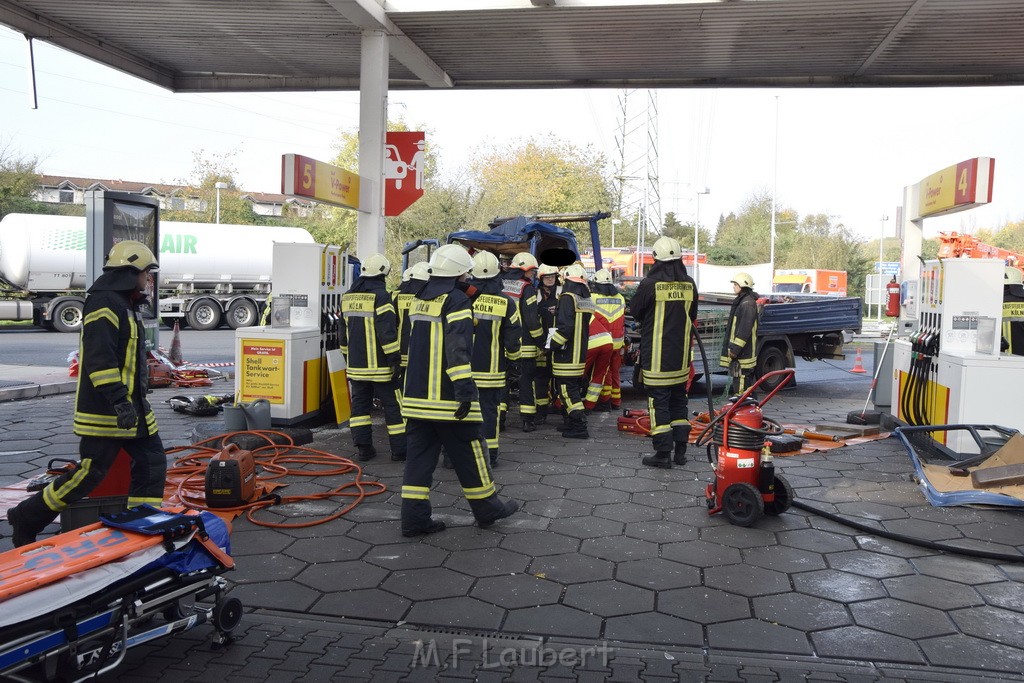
(569, 348)
(441, 401)
(518, 285)
(600, 347)
(369, 340)
(610, 305)
(665, 307)
(547, 303)
(111, 410)
(497, 336)
(739, 351)
(412, 280)
(1013, 311)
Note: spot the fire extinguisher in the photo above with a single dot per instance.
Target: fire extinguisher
(892, 302)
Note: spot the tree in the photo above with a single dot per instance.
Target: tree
(684, 233)
(542, 175)
(745, 238)
(199, 193)
(1010, 237)
(817, 243)
(19, 179)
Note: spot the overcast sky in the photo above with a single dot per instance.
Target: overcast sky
(843, 152)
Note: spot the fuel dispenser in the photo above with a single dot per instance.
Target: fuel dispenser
(286, 362)
(950, 370)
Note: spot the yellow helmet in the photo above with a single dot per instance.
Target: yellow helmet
(545, 269)
(575, 273)
(1012, 276)
(450, 260)
(375, 264)
(130, 254)
(485, 265)
(743, 280)
(603, 277)
(421, 271)
(524, 261)
(667, 249)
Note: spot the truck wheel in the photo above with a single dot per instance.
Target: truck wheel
(67, 316)
(770, 359)
(204, 315)
(241, 313)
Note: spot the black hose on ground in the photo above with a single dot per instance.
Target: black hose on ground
(902, 538)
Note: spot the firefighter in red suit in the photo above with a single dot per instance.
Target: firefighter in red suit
(611, 306)
(600, 347)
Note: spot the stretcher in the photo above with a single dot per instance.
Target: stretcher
(74, 604)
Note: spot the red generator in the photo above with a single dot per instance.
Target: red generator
(745, 486)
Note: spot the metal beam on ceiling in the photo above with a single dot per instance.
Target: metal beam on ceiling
(369, 15)
(37, 26)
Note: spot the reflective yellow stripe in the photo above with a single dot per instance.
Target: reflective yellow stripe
(395, 429)
(479, 493)
(557, 338)
(456, 316)
(102, 314)
(359, 421)
(102, 377)
(390, 348)
(739, 342)
(482, 469)
(416, 492)
(133, 502)
(381, 310)
(458, 372)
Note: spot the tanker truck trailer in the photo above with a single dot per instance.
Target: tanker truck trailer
(209, 273)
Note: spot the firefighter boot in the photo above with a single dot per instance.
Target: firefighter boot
(494, 457)
(366, 452)
(507, 509)
(432, 527)
(28, 519)
(679, 457)
(528, 423)
(661, 459)
(577, 426)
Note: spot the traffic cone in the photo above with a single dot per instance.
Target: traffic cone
(175, 354)
(858, 363)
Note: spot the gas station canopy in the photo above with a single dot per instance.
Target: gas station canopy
(252, 45)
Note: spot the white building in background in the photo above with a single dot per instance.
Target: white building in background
(71, 190)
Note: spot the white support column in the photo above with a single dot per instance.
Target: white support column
(910, 230)
(373, 123)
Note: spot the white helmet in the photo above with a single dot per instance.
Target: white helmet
(603, 277)
(667, 249)
(1012, 276)
(743, 280)
(575, 273)
(406, 274)
(545, 269)
(376, 264)
(524, 261)
(485, 265)
(450, 260)
(421, 271)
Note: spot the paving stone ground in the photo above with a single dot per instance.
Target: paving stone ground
(610, 572)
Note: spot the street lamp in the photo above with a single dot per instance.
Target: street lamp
(220, 186)
(881, 279)
(696, 235)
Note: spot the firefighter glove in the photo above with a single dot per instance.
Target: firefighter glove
(127, 418)
(463, 410)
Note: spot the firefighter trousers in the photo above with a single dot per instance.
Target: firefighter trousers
(466, 450)
(527, 377)
(569, 393)
(599, 360)
(612, 391)
(390, 397)
(667, 407)
(489, 400)
(542, 382)
(148, 474)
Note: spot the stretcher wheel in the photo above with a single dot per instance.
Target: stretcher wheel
(742, 504)
(227, 614)
(783, 497)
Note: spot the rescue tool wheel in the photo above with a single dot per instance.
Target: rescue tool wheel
(783, 497)
(742, 504)
(67, 316)
(204, 315)
(242, 313)
(227, 614)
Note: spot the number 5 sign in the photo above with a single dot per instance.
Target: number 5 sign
(305, 177)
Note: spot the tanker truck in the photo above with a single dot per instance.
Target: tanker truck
(209, 273)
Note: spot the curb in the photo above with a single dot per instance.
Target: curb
(34, 390)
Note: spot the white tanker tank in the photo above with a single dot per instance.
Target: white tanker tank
(207, 271)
